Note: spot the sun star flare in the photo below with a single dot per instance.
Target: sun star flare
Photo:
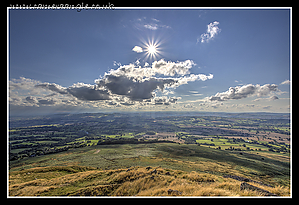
(152, 49)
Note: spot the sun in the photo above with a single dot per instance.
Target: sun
(152, 49)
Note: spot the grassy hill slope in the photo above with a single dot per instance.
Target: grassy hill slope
(137, 181)
(193, 170)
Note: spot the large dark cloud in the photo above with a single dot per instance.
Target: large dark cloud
(81, 91)
(88, 92)
(132, 82)
(132, 88)
(139, 83)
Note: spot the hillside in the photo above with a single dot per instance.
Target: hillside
(136, 181)
(189, 169)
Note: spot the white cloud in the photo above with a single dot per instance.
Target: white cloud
(193, 77)
(286, 82)
(244, 92)
(166, 68)
(151, 24)
(137, 49)
(169, 68)
(211, 32)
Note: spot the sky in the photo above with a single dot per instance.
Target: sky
(210, 60)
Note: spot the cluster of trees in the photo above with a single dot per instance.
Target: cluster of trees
(204, 143)
(109, 141)
(150, 133)
(35, 151)
(236, 149)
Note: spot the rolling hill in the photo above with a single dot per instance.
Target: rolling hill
(127, 170)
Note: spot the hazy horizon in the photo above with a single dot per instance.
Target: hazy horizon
(148, 112)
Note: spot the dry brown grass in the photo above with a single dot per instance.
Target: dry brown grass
(138, 181)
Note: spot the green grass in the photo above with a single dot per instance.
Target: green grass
(128, 135)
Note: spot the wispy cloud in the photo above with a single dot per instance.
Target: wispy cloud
(211, 32)
(151, 24)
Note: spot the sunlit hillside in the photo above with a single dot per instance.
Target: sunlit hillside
(135, 181)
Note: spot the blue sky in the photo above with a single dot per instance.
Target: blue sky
(201, 60)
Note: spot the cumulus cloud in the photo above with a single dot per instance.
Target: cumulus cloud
(139, 83)
(137, 49)
(244, 92)
(211, 32)
(169, 68)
